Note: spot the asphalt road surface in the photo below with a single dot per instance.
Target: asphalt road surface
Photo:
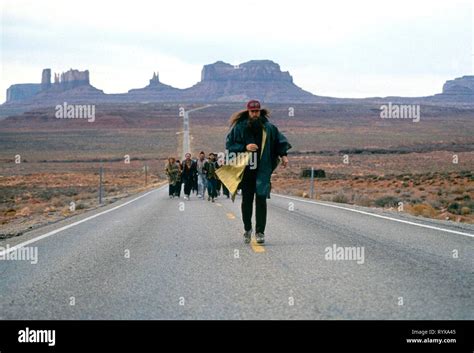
(155, 258)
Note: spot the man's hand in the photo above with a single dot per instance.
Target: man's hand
(284, 161)
(252, 147)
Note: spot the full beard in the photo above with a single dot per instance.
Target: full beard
(255, 124)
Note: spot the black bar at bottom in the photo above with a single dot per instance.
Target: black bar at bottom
(237, 336)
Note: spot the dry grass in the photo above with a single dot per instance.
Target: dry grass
(31, 199)
(433, 197)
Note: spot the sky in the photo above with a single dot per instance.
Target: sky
(331, 48)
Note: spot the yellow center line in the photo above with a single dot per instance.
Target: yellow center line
(256, 247)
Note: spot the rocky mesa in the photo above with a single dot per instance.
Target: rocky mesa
(220, 82)
(260, 79)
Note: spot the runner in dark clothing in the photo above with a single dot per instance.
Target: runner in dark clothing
(188, 175)
(249, 127)
(210, 168)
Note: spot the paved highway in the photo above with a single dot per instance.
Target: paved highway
(149, 257)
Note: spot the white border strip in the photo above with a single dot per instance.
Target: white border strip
(4, 252)
(379, 216)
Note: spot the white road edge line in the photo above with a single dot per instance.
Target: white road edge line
(4, 252)
(379, 216)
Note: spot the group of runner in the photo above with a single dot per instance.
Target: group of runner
(196, 175)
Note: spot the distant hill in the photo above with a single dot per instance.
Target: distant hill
(460, 89)
(220, 82)
(259, 79)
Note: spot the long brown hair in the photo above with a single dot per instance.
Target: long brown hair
(244, 114)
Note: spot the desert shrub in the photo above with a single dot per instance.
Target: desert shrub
(25, 196)
(437, 205)
(362, 200)
(387, 201)
(46, 194)
(57, 202)
(49, 209)
(465, 210)
(454, 207)
(423, 209)
(444, 175)
(7, 194)
(70, 192)
(299, 193)
(341, 198)
(443, 202)
(10, 212)
(318, 173)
